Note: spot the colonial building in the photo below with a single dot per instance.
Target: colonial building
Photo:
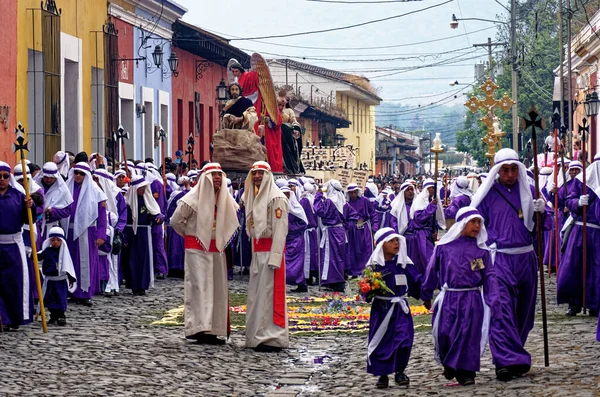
(397, 152)
(325, 88)
(203, 59)
(8, 82)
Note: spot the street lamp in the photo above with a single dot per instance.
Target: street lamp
(454, 21)
(592, 104)
(157, 55)
(221, 91)
(173, 63)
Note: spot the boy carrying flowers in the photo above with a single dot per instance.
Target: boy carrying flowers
(461, 269)
(389, 277)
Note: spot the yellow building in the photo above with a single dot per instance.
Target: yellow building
(330, 89)
(360, 110)
(60, 75)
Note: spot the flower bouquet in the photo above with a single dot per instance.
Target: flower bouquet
(371, 283)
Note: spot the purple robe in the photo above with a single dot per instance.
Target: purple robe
(294, 251)
(139, 249)
(360, 238)
(393, 351)
(243, 248)
(457, 203)
(14, 288)
(333, 242)
(382, 217)
(161, 264)
(419, 242)
(310, 238)
(175, 245)
(569, 288)
(103, 263)
(516, 274)
(93, 233)
(462, 312)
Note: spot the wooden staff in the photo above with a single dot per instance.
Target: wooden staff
(556, 122)
(21, 146)
(534, 122)
(447, 180)
(436, 152)
(583, 130)
(162, 136)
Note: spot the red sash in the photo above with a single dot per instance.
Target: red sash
(191, 242)
(264, 245)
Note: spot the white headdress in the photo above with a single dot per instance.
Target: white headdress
(336, 195)
(508, 156)
(58, 195)
(257, 204)
(33, 186)
(309, 193)
(5, 167)
(131, 197)
(381, 237)
(422, 201)
(90, 196)
(62, 162)
(294, 206)
(463, 216)
(399, 208)
(65, 263)
(460, 187)
(202, 199)
(593, 175)
(106, 181)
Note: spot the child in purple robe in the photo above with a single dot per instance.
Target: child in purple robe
(391, 330)
(294, 243)
(460, 196)
(58, 273)
(461, 269)
(382, 217)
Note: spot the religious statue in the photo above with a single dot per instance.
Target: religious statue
(239, 112)
(290, 136)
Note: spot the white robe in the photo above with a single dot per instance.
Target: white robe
(260, 328)
(206, 300)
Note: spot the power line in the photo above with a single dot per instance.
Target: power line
(356, 25)
(362, 2)
(344, 48)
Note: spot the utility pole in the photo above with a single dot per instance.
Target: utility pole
(489, 45)
(513, 55)
(561, 58)
(570, 80)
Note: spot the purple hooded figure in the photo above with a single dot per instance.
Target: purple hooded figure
(391, 330)
(371, 191)
(461, 269)
(360, 236)
(295, 242)
(507, 204)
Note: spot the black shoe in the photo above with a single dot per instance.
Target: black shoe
(86, 302)
(61, 322)
(449, 373)
(401, 379)
(503, 374)
(519, 369)
(160, 276)
(139, 292)
(466, 381)
(115, 292)
(246, 271)
(383, 382)
(207, 339)
(573, 311)
(267, 349)
(300, 288)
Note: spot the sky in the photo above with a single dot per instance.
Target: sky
(351, 50)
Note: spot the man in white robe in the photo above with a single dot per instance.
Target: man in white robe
(267, 225)
(206, 217)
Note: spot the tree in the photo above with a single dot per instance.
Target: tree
(469, 138)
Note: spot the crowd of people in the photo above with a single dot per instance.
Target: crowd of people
(99, 230)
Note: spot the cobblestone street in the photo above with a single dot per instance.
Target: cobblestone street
(111, 349)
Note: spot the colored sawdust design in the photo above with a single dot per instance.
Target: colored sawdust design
(307, 315)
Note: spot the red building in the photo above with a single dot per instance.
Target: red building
(8, 82)
(203, 61)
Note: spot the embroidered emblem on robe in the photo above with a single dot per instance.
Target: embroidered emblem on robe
(477, 264)
(278, 213)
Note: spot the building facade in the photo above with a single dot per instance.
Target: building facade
(8, 82)
(346, 93)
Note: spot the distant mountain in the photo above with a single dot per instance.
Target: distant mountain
(443, 119)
